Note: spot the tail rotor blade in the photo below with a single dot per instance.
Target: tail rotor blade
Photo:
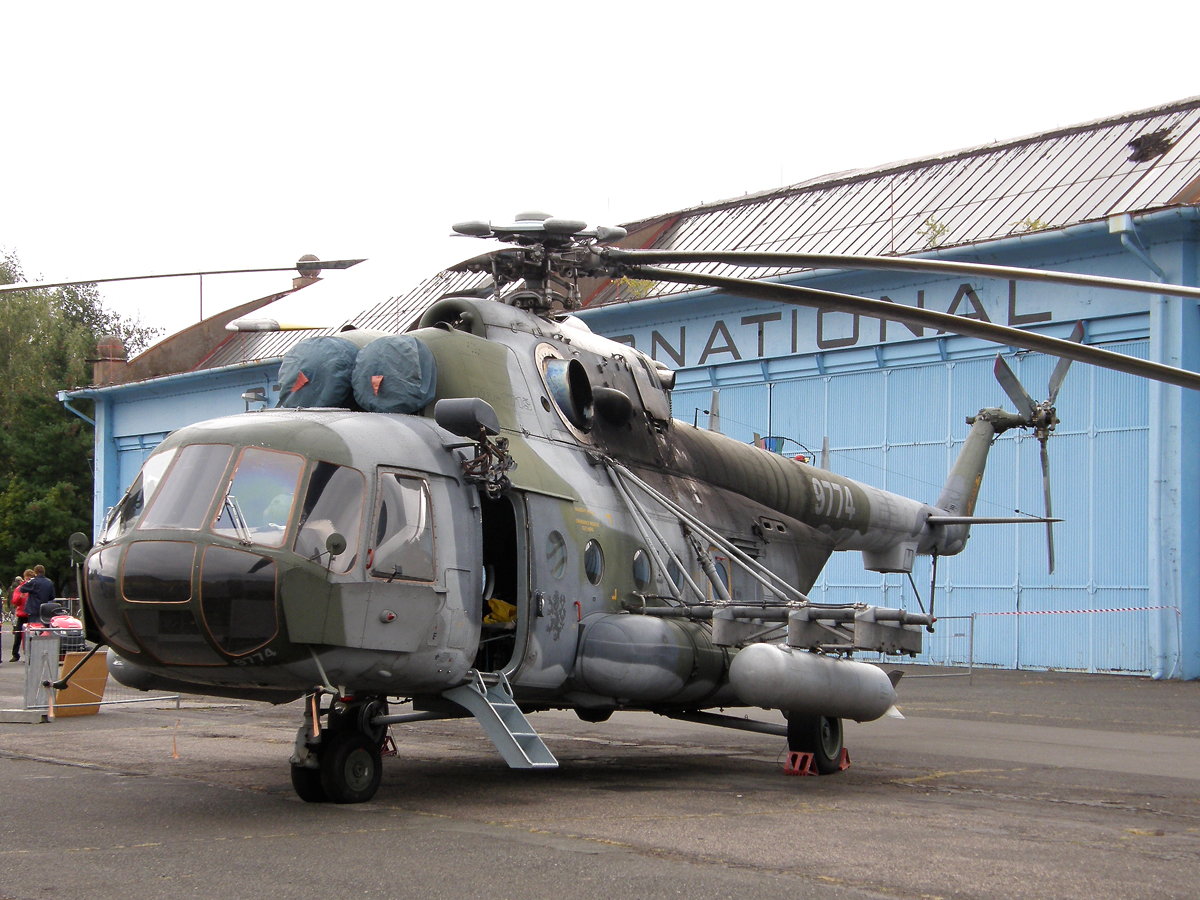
(1012, 387)
(1060, 370)
(1046, 489)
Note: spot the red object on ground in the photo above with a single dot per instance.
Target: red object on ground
(801, 764)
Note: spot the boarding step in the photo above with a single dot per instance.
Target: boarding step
(489, 698)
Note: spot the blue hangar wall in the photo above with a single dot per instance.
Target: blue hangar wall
(132, 419)
(893, 402)
(1125, 595)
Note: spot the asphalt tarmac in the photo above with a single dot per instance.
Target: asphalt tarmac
(1018, 785)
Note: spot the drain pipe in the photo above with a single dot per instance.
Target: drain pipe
(1123, 226)
(62, 398)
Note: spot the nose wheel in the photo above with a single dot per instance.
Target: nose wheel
(345, 763)
(351, 767)
(307, 784)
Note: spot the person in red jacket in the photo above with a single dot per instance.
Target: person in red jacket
(18, 601)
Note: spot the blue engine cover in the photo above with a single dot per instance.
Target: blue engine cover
(394, 374)
(316, 373)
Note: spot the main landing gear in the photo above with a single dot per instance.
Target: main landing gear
(341, 762)
(819, 735)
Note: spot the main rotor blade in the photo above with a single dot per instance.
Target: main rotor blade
(891, 263)
(1013, 387)
(1049, 514)
(302, 267)
(1060, 370)
(896, 312)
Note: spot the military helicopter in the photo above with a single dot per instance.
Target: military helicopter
(495, 513)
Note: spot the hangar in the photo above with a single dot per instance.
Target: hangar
(1115, 197)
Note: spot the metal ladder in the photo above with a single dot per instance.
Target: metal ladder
(502, 720)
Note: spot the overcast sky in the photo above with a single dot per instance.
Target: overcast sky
(165, 137)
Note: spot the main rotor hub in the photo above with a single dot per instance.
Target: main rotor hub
(550, 252)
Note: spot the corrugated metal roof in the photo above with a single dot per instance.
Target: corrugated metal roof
(394, 315)
(256, 345)
(1135, 162)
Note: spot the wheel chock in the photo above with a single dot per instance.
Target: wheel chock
(844, 760)
(388, 747)
(800, 764)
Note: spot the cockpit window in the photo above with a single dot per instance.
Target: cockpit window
(125, 514)
(258, 503)
(187, 492)
(333, 503)
(403, 546)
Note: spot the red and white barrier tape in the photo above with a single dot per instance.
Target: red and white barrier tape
(1066, 612)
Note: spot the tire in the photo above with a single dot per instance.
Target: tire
(819, 735)
(366, 713)
(351, 767)
(593, 715)
(307, 784)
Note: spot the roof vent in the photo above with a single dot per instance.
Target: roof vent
(1151, 145)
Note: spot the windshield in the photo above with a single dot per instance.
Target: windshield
(125, 513)
(258, 503)
(187, 491)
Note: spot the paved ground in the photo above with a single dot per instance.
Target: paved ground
(1019, 785)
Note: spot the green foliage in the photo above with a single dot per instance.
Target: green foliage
(46, 339)
(636, 288)
(1029, 224)
(934, 232)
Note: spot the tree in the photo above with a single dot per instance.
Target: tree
(46, 339)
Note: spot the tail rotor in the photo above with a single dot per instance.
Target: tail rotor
(1041, 417)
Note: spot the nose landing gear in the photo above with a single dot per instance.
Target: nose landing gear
(342, 762)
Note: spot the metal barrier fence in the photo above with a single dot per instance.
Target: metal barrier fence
(47, 660)
(953, 644)
(1112, 639)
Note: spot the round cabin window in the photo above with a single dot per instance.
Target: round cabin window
(674, 573)
(641, 570)
(556, 554)
(593, 562)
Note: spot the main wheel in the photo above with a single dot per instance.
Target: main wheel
(819, 735)
(593, 715)
(351, 767)
(307, 783)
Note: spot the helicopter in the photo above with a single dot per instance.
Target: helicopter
(495, 513)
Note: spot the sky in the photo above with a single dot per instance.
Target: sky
(174, 137)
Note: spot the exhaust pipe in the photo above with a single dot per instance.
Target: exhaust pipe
(798, 681)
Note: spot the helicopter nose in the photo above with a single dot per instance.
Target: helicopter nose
(153, 600)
